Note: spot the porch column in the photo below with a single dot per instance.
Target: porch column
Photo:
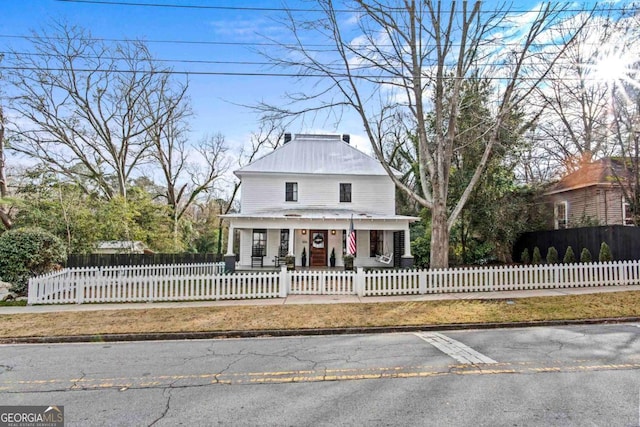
(291, 240)
(407, 259)
(230, 240)
(407, 243)
(230, 257)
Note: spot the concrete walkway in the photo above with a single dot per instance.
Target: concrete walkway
(318, 299)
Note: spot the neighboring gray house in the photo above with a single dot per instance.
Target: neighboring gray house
(302, 197)
(592, 195)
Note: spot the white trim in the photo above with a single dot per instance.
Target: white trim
(556, 220)
(624, 211)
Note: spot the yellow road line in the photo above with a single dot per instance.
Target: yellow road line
(301, 376)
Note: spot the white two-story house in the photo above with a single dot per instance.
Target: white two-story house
(301, 200)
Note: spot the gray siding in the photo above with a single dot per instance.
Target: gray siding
(591, 205)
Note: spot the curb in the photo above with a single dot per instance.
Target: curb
(164, 336)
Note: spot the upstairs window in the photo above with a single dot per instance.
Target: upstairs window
(345, 193)
(291, 191)
(561, 215)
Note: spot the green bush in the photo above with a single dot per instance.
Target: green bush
(585, 255)
(605, 253)
(28, 252)
(569, 256)
(524, 257)
(421, 250)
(537, 258)
(552, 255)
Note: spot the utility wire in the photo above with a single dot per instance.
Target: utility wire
(314, 47)
(193, 6)
(371, 78)
(566, 64)
(607, 7)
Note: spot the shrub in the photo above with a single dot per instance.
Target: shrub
(525, 258)
(27, 252)
(585, 255)
(421, 250)
(552, 255)
(569, 256)
(605, 253)
(537, 258)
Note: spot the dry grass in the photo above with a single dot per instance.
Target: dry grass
(619, 304)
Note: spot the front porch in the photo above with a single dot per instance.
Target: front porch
(317, 238)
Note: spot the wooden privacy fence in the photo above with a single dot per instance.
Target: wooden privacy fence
(208, 282)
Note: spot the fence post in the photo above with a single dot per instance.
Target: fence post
(284, 282)
(422, 281)
(31, 293)
(80, 287)
(359, 283)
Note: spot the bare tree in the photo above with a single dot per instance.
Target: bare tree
(84, 101)
(575, 127)
(184, 176)
(408, 59)
(625, 101)
(267, 138)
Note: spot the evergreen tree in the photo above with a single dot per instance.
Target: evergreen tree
(605, 253)
(537, 258)
(585, 255)
(569, 256)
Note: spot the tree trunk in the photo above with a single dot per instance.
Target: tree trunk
(439, 236)
(4, 192)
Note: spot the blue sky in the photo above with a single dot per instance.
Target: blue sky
(214, 97)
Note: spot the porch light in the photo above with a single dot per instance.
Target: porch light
(333, 232)
(304, 232)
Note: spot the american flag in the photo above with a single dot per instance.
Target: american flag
(351, 239)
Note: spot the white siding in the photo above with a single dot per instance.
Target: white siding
(371, 194)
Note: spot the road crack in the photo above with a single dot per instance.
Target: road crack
(167, 406)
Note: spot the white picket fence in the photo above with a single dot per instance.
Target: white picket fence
(207, 281)
(119, 284)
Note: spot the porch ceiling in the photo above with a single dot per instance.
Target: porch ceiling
(320, 214)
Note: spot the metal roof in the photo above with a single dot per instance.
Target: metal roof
(315, 154)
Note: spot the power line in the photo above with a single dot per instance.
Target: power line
(340, 69)
(380, 78)
(604, 7)
(311, 47)
(112, 58)
(193, 6)
(202, 42)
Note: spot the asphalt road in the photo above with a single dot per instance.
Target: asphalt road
(564, 376)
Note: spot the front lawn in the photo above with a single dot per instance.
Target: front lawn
(310, 316)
